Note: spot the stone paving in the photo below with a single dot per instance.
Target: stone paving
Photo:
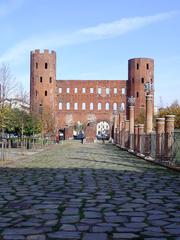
(88, 192)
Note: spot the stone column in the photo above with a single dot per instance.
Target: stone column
(135, 138)
(126, 133)
(160, 123)
(148, 124)
(169, 136)
(140, 138)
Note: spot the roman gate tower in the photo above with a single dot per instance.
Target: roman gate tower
(43, 82)
(140, 71)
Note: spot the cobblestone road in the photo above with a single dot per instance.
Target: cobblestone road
(89, 192)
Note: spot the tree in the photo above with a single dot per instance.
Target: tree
(173, 109)
(7, 83)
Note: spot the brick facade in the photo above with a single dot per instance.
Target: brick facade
(84, 101)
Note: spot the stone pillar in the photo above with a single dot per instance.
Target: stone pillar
(131, 126)
(148, 124)
(160, 123)
(126, 133)
(169, 136)
(140, 138)
(135, 138)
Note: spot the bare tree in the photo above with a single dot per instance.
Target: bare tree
(22, 94)
(7, 83)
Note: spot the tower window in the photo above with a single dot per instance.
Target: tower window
(137, 65)
(132, 80)
(137, 94)
(36, 92)
(36, 65)
(46, 65)
(147, 66)
(60, 105)
(40, 79)
(45, 93)
(50, 79)
(142, 80)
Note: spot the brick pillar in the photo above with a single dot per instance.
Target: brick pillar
(131, 126)
(121, 118)
(160, 123)
(115, 128)
(169, 130)
(140, 138)
(123, 134)
(135, 138)
(148, 124)
(127, 133)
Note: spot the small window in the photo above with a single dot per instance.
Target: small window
(75, 90)
(60, 90)
(50, 79)
(45, 93)
(76, 106)
(83, 90)
(68, 106)
(40, 79)
(107, 106)
(46, 65)
(36, 65)
(142, 80)
(147, 66)
(83, 106)
(67, 90)
(115, 90)
(91, 106)
(137, 66)
(36, 93)
(123, 91)
(99, 90)
(115, 106)
(60, 105)
(132, 80)
(91, 90)
(107, 91)
(99, 106)
(137, 94)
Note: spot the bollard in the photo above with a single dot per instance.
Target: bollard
(160, 123)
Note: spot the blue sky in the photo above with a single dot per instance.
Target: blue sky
(94, 39)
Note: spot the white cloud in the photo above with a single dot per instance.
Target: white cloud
(113, 29)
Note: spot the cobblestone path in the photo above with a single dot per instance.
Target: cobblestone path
(88, 192)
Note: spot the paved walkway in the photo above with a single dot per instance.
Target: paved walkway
(89, 192)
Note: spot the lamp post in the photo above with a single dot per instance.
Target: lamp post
(131, 103)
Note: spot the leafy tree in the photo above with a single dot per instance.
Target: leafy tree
(173, 109)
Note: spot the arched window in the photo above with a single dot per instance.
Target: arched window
(122, 106)
(60, 105)
(45, 93)
(115, 106)
(68, 106)
(99, 106)
(46, 65)
(75, 106)
(107, 106)
(91, 106)
(83, 106)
